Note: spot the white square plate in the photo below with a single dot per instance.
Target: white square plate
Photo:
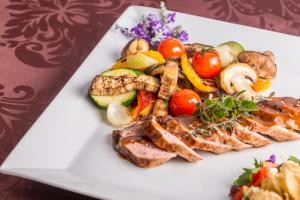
(69, 146)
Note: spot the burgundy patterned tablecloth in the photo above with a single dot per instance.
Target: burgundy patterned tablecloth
(43, 42)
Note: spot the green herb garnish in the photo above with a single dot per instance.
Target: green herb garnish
(222, 112)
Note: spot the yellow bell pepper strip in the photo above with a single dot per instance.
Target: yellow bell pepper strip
(261, 84)
(144, 101)
(155, 55)
(193, 77)
(147, 110)
(120, 64)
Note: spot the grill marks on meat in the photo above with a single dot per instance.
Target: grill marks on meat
(233, 142)
(275, 132)
(165, 140)
(153, 141)
(284, 111)
(281, 116)
(178, 129)
(115, 85)
(249, 137)
(134, 147)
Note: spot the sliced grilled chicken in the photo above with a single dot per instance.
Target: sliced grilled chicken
(272, 130)
(269, 110)
(291, 105)
(218, 136)
(133, 146)
(176, 128)
(288, 104)
(283, 111)
(249, 137)
(115, 85)
(292, 124)
(161, 108)
(169, 81)
(167, 141)
(233, 142)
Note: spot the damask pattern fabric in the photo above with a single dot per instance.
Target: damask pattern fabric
(43, 42)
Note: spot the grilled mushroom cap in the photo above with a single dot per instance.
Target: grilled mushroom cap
(136, 45)
(262, 63)
(238, 77)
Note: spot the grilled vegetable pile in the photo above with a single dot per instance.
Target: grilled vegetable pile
(172, 78)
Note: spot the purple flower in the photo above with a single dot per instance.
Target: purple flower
(166, 31)
(151, 18)
(124, 31)
(139, 30)
(155, 25)
(155, 28)
(171, 17)
(182, 36)
(272, 158)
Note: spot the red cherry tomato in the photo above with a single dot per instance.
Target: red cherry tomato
(239, 195)
(171, 48)
(207, 64)
(184, 102)
(258, 177)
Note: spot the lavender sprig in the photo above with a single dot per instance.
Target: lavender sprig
(155, 28)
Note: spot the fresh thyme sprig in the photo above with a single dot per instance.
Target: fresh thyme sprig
(222, 112)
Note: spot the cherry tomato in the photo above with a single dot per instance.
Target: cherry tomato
(184, 102)
(207, 64)
(239, 195)
(171, 48)
(258, 177)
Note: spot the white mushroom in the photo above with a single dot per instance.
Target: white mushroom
(238, 77)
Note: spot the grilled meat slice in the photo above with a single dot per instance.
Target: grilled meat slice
(291, 105)
(115, 85)
(281, 110)
(218, 136)
(231, 141)
(169, 81)
(249, 137)
(167, 141)
(176, 128)
(292, 124)
(283, 104)
(272, 130)
(133, 146)
(280, 106)
(268, 113)
(161, 108)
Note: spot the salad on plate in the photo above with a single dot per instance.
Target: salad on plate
(269, 180)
